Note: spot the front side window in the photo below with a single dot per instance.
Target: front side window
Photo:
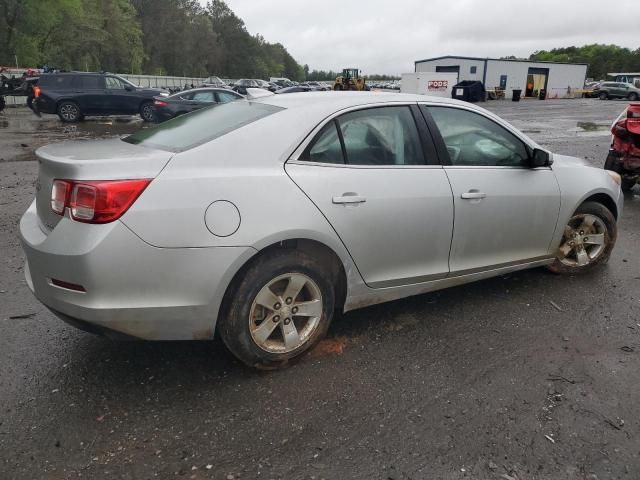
(114, 83)
(474, 140)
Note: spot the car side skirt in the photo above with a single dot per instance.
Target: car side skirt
(382, 295)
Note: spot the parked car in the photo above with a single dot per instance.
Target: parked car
(317, 86)
(624, 154)
(214, 82)
(243, 218)
(266, 85)
(74, 95)
(610, 90)
(241, 85)
(296, 89)
(166, 108)
(590, 90)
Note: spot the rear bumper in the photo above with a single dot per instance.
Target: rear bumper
(132, 288)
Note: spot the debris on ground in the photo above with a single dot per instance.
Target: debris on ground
(556, 306)
(22, 316)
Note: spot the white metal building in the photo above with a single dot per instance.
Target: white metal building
(559, 80)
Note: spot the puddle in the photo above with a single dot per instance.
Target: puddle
(593, 127)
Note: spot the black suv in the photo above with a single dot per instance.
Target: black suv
(74, 95)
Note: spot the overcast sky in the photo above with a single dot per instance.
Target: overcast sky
(387, 36)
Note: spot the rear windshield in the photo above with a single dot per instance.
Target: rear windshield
(188, 131)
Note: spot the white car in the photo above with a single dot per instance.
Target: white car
(260, 218)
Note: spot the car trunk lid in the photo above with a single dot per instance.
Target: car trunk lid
(110, 159)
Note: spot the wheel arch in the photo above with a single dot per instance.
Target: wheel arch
(313, 247)
(604, 199)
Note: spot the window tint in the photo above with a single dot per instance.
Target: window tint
(203, 97)
(88, 82)
(114, 83)
(474, 140)
(189, 131)
(224, 97)
(381, 136)
(58, 82)
(326, 147)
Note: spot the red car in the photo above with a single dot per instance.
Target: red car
(624, 156)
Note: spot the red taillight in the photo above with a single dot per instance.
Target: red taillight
(36, 91)
(160, 103)
(96, 201)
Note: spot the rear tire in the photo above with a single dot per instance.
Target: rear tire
(633, 97)
(69, 112)
(262, 297)
(587, 242)
(146, 111)
(603, 96)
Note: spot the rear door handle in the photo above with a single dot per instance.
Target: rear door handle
(348, 198)
(473, 195)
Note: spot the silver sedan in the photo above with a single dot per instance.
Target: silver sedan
(261, 218)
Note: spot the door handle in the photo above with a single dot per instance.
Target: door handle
(473, 195)
(348, 198)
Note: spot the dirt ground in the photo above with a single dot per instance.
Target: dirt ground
(526, 376)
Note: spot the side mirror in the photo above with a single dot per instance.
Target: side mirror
(128, 88)
(540, 158)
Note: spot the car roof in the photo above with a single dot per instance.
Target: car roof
(334, 101)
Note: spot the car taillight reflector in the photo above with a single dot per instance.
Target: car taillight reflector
(59, 195)
(97, 201)
(160, 103)
(36, 91)
(67, 285)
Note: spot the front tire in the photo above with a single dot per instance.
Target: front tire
(146, 111)
(603, 96)
(633, 97)
(279, 309)
(588, 240)
(69, 112)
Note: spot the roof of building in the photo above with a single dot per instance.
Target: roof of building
(495, 60)
(615, 74)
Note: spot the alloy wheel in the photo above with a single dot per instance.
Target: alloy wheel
(69, 111)
(285, 313)
(584, 240)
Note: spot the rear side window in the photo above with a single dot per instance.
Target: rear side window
(381, 136)
(57, 82)
(88, 82)
(326, 147)
(206, 97)
(374, 137)
(188, 131)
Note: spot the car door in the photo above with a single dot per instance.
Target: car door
(373, 173)
(505, 212)
(88, 91)
(119, 100)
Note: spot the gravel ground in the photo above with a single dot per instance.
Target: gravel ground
(526, 376)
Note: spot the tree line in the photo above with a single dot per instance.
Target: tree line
(155, 37)
(602, 59)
